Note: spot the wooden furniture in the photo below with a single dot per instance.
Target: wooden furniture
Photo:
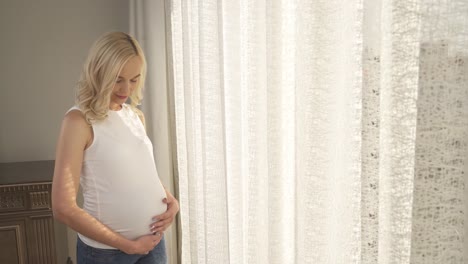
(26, 223)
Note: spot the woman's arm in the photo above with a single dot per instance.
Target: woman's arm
(75, 136)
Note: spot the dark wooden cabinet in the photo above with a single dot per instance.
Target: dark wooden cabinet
(26, 222)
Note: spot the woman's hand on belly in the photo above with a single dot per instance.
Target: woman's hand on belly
(143, 244)
(163, 221)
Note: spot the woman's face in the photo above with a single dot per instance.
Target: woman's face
(126, 82)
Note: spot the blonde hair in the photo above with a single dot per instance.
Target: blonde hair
(106, 59)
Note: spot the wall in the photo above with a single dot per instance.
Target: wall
(43, 45)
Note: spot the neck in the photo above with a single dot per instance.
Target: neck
(115, 107)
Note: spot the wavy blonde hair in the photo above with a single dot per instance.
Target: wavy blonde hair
(106, 59)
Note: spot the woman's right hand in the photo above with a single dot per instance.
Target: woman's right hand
(143, 244)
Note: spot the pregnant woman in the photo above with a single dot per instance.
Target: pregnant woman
(104, 148)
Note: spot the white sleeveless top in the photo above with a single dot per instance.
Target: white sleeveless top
(119, 180)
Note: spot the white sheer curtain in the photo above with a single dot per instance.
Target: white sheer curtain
(320, 131)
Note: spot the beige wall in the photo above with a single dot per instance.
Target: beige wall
(43, 45)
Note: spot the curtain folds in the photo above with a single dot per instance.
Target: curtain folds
(320, 131)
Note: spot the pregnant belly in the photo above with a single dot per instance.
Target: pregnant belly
(129, 212)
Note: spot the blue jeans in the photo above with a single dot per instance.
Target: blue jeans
(90, 255)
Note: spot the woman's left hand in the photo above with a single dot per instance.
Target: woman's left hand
(163, 221)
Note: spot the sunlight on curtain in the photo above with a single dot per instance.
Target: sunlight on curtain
(321, 131)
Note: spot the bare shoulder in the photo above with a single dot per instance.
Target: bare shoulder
(75, 127)
(76, 119)
(75, 115)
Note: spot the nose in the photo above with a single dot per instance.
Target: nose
(125, 87)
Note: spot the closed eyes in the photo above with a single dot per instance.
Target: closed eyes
(133, 80)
